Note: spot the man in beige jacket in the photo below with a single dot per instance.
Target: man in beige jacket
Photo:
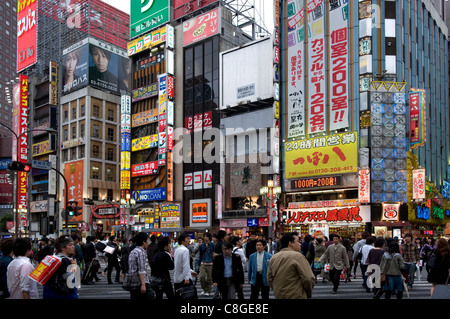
(336, 255)
(289, 273)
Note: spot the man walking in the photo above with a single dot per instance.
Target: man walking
(257, 271)
(336, 255)
(228, 274)
(289, 273)
(410, 254)
(182, 271)
(206, 264)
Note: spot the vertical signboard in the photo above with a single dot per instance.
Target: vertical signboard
(73, 172)
(418, 183)
(22, 149)
(296, 72)
(316, 69)
(26, 34)
(364, 186)
(53, 90)
(125, 147)
(417, 118)
(147, 15)
(338, 76)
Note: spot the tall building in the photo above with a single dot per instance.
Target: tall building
(363, 111)
(75, 60)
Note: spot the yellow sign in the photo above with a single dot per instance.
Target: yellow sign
(324, 155)
(125, 178)
(125, 161)
(147, 41)
(145, 142)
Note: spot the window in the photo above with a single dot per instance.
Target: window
(109, 195)
(95, 172)
(82, 110)
(95, 151)
(82, 130)
(95, 131)
(96, 111)
(82, 153)
(74, 132)
(66, 115)
(110, 134)
(110, 155)
(110, 115)
(110, 174)
(66, 134)
(95, 193)
(74, 113)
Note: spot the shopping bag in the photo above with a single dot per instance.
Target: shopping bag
(344, 275)
(442, 291)
(45, 269)
(326, 267)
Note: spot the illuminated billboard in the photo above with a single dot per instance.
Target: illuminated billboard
(26, 34)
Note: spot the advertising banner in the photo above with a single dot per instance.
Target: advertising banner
(200, 212)
(147, 15)
(146, 195)
(144, 92)
(147, 41)
(296, 70)
(201, 27)
(144, 118)
(390, 212)
(26, 34)
(316, 70)
(417, 125)
(419, 183)
(338, 76)
(143, 169)
(73, 172)
(323, 215)
(145, 142)
(325, 155)
(170, 216)
(6, 188)
(364, 186)
(75, 68)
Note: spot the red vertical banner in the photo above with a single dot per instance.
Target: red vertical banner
(414, 112)
(22, 148)
(26, 34)
(73, 172)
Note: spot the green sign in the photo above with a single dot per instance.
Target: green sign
(146, 15)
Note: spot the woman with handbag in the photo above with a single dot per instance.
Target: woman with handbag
(439, 272)
(391, 269)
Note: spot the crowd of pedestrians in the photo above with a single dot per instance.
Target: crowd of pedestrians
(288, 265)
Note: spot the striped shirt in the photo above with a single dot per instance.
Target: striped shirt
(137, 262)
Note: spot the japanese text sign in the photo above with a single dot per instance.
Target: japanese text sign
(201, 27)
(418, 183)
(325, 155)
(348, 214)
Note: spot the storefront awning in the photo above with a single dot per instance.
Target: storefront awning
(391, 224)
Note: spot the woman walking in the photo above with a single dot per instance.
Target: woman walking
(391, 266)
(440, 271)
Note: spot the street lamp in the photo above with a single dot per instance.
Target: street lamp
(16, 168)
(271, 193)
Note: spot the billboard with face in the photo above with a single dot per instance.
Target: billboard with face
(95, 63)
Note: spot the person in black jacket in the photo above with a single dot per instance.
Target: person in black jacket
(92, 265)
(228, 274)
(113, 261)
(152, 249)
(160, 275)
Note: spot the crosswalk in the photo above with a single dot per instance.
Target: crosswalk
(322, 290)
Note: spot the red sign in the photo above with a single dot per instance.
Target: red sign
(201, 27)
(185, 7)
(26, 34)
(74, 174)
(324, 215)
(414, 111)
(143, 169)
(198, 122)
(170, 84)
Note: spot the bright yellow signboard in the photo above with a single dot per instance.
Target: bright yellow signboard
(324, 155)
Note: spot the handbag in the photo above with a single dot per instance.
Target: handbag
(383, 276)
(187, 293)
(157, 283)
(442, 291)
(131, 282)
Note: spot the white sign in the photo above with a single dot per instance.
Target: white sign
(391, 212)
(419, 183)
(364, 186)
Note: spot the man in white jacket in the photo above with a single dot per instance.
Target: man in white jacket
(182, 272)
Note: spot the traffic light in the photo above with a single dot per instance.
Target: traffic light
(19, 166)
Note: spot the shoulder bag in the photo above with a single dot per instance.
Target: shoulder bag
(187, 293)
(442, 291)
(131, 282)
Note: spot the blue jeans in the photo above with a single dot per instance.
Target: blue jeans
(410, 270)
(363, 270)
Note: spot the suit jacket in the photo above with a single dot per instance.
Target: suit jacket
(253, 267)
(219, 269)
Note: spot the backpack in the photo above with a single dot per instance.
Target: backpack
(431, 262)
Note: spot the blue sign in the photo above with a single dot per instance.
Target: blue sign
(4, 162)
(252, 222)
(125, 142)
(147, 195)
(423, 212)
